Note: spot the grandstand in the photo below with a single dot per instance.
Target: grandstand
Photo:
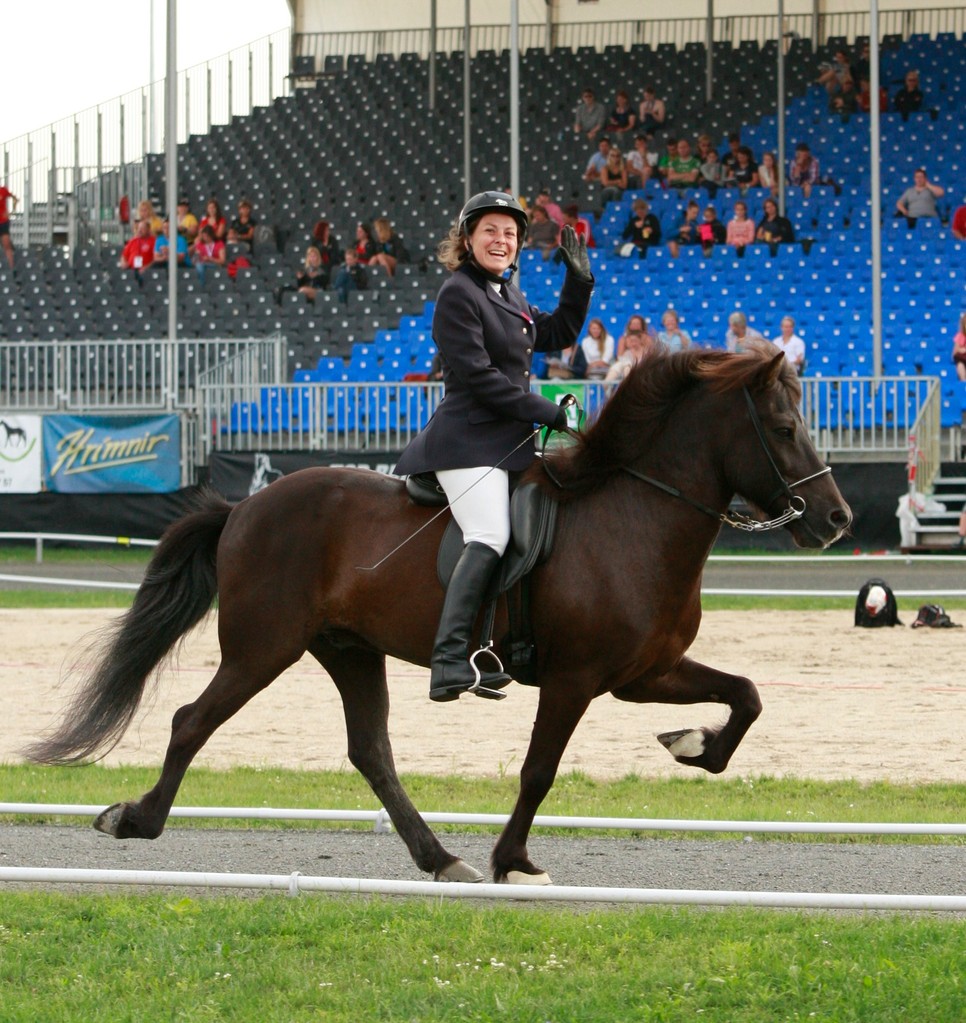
(299, 158)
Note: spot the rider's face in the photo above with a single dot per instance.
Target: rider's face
(494, 242)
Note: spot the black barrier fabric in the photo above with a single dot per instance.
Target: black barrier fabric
(872, 489)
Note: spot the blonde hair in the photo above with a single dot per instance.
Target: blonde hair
(602, 340)
(383, 228)
(452, 251)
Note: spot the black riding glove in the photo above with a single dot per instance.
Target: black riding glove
(573, 251)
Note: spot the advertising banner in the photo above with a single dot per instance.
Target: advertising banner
(112, 454)
(237, 475)
(20, 454)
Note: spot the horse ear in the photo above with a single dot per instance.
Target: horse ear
(773, 369)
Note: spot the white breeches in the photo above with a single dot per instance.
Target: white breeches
(479, 499)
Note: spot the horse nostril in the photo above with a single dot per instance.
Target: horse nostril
(840, 517)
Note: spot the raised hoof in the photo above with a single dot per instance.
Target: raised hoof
(458, 870)
(519, 877)
(685, 742)
(109, 821)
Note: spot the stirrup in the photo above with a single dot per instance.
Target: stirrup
(491, 691)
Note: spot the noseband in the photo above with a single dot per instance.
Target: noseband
(796, 505)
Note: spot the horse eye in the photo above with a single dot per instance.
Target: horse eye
(785, 432)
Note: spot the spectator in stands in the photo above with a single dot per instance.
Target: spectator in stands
(865, 97)
(791, 344)
(238, 256)
(862, 65)
(845, 102)
(187, 221)
(596, 163)
(581, 225)
(214, 219)
(637, 344)
(138, 254)
(553, 210)
(146, 212)
(919, 200)
(311, 278)
(910, 97)
(208, 250)
(590, 115)
(774, 229)
(958, 224)
(768, 172)
(641, 162)
(543, 233)
(711, 231)
(833, 74)
(687, 230)
(390, 249)
(567, 364)
(672, 337)
(622, 120)
(613, 177)
(729, 159)
(664, 161)
(741, 229)
(365, 244)
(803, 171)
(600, 350)
(959, 349)
(713, 174)
(652, 112)
(635, 322)
(327, 244)
(685, 169)
(745, 171)
(642, 230)
(162, 249)
(739, 333)
(703, 147)
(351, 276)
(5, 240)
(243, 225)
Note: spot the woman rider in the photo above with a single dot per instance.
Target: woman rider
(486, 333)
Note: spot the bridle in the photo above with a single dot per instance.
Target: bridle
(796, 505)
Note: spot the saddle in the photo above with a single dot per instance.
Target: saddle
(533, 519)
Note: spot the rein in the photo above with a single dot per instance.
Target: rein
(796, 505)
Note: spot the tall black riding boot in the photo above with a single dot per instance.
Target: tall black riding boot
(452, 672)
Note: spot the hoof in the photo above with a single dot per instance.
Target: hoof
(686, 742)
(460, 871)
(109, 820)
(519, 877)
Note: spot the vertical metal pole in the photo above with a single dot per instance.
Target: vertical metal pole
(815, 23)
(28, 194)
(207, 96)
(874, 129)
(709, 38)
(431, 102)
(171, 163)
(548, 21)
(781, 107)
(271, 73)
(187, 105)
(77, 172)
(99, 216)
(231, 88)
(51, 189)
(151, 146)
(251, 80)
(515, 98)
(467, 156)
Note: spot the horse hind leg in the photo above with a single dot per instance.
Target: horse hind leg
(233, 685)
(709, 748)
(360, 676)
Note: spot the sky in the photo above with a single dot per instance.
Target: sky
(62, 56)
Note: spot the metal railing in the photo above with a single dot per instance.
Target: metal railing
(101, 377)
(97, 155)
(653, 32)
(868, 416)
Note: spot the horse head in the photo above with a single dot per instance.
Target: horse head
(771, 460)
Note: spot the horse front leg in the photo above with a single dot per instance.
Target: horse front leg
(360, 676)
(691, 682)
(558, 714)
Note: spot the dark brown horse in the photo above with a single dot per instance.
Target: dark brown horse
(642, 496)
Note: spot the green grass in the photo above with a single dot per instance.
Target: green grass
(574, 794)
(140, 959)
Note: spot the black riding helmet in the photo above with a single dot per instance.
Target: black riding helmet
(493, 202)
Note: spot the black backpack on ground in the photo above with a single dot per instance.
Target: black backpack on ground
(869, 617)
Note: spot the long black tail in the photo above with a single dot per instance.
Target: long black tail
(177, 592)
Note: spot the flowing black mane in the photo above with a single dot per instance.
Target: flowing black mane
(638, 409)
